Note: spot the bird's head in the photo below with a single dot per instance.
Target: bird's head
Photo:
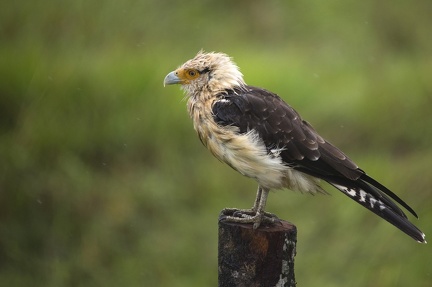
(212, 72)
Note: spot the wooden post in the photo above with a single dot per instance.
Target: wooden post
(262, 257)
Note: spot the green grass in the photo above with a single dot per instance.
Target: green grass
(103, 181)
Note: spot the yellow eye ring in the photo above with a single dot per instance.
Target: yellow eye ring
(187, 75)
(191, 74)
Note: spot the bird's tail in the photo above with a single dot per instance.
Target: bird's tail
(373, 196)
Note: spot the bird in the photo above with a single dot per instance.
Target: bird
(262, 137)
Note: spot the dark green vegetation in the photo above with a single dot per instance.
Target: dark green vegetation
(103, 181)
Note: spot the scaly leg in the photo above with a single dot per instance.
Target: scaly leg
(251, 211)
(255, 215)
(257, 199)
(247, 211)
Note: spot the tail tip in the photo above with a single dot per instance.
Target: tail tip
(423, 239)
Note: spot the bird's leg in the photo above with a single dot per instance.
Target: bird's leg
(254, 208)
(251, 211)
(255, 215)
(260, 214)
(257, 199)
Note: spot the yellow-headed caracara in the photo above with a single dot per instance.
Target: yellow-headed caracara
(256, 133)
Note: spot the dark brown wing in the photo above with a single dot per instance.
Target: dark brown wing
(280, 126)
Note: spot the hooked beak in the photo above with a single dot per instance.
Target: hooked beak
(172, 79)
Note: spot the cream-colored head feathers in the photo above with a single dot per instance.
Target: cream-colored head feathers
(212, 72)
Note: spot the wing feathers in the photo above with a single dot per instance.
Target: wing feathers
(302, 148)
(384, 189)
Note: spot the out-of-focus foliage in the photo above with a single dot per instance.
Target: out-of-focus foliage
(104, 183)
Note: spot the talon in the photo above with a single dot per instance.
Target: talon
(238, 213)
(257, 220)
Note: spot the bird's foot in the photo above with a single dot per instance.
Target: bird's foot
(241, 212)
(248, 216)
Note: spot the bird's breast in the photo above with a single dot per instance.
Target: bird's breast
(244, 152)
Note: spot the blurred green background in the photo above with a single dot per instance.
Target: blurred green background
(103, 181)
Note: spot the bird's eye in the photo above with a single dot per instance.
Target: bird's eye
(187, 75)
